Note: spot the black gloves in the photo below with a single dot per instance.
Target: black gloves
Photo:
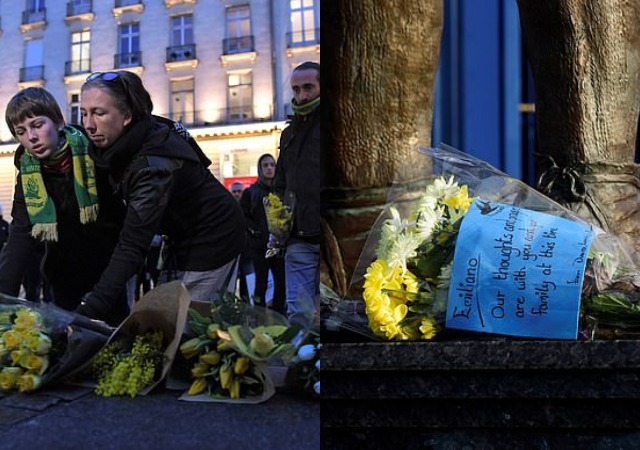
(95, 308)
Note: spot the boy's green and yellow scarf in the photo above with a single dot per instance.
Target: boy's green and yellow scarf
(42, 211)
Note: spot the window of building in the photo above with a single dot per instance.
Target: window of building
(128, 45)
(74, 116)
(240, 96)
(182, 101)
(34, 6)
(121, 3)
(239, 37)
(182, 47)
(182, 30)
(34, 13)
(304, 22)
(80, 46)
(33, 68)
(79, 6)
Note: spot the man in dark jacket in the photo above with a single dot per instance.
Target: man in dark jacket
(299, 172)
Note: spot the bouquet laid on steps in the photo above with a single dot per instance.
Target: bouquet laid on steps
(226, 348)
(136, 356)
(474, 249)
(41, 344)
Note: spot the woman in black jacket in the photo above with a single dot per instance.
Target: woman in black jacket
(163, 179)
(62, 202)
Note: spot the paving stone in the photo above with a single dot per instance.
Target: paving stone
(67, 392)
(9, 416)
(32, 401)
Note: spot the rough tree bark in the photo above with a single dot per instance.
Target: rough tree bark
(585, 58)
(380, 59)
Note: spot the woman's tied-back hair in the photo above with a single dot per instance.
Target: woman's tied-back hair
(127, 90)
(32, 102)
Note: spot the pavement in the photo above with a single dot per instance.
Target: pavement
(72, 417)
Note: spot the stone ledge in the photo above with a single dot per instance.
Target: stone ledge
(481, 355)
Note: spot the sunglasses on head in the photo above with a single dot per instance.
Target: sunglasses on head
(106, 76)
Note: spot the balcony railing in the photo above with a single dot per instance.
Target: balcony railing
(242, 44)
(123, 60)
(33, 73)
(223, 116)
(181, 53)
(29, 16)
(77, 67)
(123, 3)
(303, 38)
(75, 9)
(238, 114)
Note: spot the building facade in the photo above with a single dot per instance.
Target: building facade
(220, 67)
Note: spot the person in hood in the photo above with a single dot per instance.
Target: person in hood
(252, 206)
(162, 176)
(65, 218)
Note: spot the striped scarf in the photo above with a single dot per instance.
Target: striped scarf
(42, 211)
(306, 108)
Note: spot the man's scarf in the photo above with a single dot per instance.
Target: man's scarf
(306, 108)
(42, 211)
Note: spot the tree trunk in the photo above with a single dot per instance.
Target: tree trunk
(380, 59)
(585, 58)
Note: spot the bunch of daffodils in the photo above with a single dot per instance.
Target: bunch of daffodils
(25, 348)
(405, 288)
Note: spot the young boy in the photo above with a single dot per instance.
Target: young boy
(62, 200)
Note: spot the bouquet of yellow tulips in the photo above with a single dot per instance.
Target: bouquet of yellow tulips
(226, 347)
(41, 343)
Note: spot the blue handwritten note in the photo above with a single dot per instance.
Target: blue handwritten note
(517, 272)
